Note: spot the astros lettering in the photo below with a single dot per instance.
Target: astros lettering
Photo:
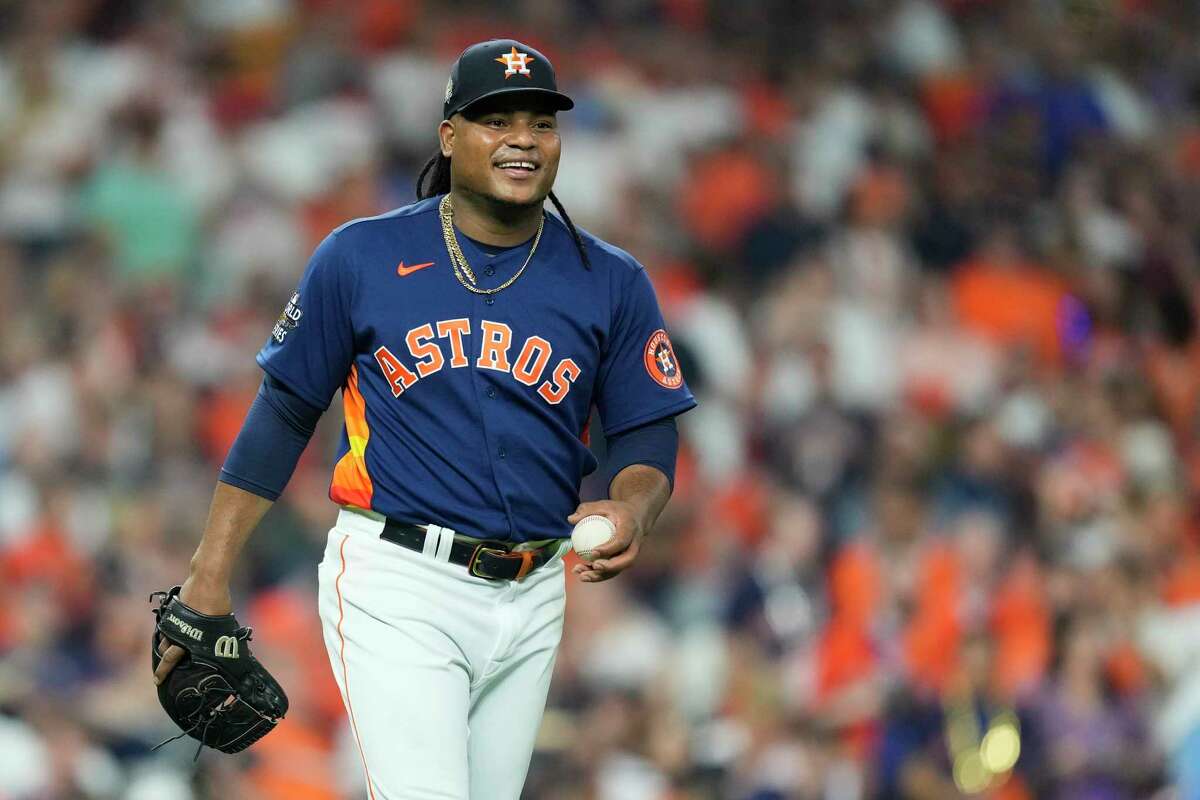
(495, 344)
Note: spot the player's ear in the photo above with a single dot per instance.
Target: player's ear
(446, 137)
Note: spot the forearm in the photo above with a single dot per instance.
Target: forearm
(232, 517)
(644, 488)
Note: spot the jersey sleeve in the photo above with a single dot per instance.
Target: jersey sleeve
(311, 346)
(639, 379)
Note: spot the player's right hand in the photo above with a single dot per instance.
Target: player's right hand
(214, 600)
(617, 554)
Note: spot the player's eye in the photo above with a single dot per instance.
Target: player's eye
(494, 122)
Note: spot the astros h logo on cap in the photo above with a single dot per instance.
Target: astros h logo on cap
(516, 63)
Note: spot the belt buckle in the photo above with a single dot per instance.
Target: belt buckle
(473, 566)
(525, 556)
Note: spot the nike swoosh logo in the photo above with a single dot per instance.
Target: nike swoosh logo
(403, 270)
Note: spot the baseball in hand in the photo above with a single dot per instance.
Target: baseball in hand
(591, 532)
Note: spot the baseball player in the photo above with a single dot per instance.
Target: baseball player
(470, 334)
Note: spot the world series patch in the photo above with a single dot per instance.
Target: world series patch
(660, 361)
(289, 319)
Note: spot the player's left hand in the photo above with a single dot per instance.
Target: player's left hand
(618, 553)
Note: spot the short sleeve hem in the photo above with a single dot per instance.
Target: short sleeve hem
(299, 389)
(683, 405)
(249, 486)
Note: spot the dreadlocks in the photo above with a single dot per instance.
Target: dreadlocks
(437, 169)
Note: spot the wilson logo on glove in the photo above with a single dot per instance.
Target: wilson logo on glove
(184, 628)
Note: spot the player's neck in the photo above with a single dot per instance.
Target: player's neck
(493, 223)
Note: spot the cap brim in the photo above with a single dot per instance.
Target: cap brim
(559, 101)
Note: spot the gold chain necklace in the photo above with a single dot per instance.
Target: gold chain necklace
(462, 270)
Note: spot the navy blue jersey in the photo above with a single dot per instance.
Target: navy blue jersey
(464, 410)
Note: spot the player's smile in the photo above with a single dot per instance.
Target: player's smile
(518, 169)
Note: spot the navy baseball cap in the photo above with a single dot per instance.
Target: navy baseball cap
(501, 66)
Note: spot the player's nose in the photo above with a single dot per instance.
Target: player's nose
(520, 136)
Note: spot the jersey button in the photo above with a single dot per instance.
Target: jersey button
(502, 452)
(490, 300)
(490, 271)
(491, 391)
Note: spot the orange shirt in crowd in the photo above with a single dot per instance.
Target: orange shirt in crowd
(768, 113)
(1012, 305)
(723, 195)
(955, 105)
(933, 635)
(1181, 583)
(1021, 629)
(43, 557)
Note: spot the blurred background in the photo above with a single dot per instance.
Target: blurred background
(931, 267)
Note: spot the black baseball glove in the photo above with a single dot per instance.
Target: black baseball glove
(218, 693)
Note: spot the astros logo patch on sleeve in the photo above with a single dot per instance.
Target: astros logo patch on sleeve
(660, 361)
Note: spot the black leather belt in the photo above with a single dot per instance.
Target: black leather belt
(492, 560)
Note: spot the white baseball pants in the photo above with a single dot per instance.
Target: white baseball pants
(444, 675)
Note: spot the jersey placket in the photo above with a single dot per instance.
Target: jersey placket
(483, 380)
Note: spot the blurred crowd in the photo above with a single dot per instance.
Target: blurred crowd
(931, 268)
